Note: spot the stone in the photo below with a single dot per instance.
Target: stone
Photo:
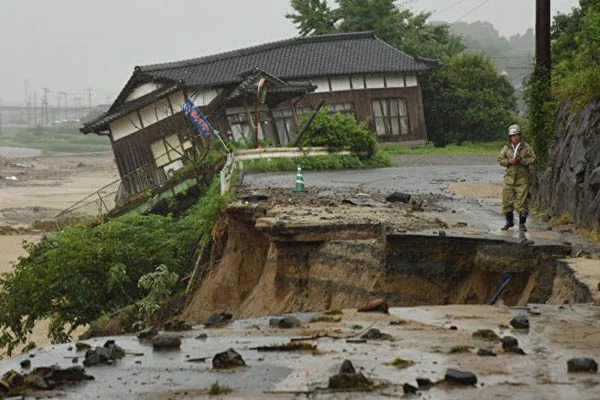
(409, 389)
(486, 353)
(582, 364)
(228, 359)
(486, 334)
(376, 334)
(377, 305)
(347, 368)
(287, 322)
(165, 341)
(509, 341)
(148, 333)
(424, 383)
(218, 319)
(515, 350)
(25, 364)
(202, 336)
(177, 326)
(520, 322)
(349, 381)
(398, 197)
(456, 377)
(71, 374)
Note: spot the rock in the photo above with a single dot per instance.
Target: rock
(81, 346)
(202, 336)
(217, 320)
(106, 354)
(228, 359)
(424, 383)
(456, 377)
(486, 353)
(148, 333)
(376, 334)
(509, 341)
(398, 197)
(179, 326)
(520, 322)
(165, 341)
(515, 350)
(25, 364)
(347, 368)
(287, 322)
(582, 364)
(349, 381)
(409, 389)
(486, 334)
(71, 374)
(377, 305)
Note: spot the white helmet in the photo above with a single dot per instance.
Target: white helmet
(514, 130)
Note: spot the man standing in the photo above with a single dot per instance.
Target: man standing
(516, 157)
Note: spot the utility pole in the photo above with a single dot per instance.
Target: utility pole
(89, 92)
(35, 115)
(65, 105)
(543, 57)
(45, 108)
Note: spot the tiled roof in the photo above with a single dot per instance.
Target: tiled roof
(299, 58)
(102, 121)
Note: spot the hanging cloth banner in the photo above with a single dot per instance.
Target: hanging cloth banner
(200, 122)
(195, 116)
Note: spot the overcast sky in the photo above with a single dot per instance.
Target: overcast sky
(72, 45)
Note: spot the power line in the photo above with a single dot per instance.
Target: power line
(449, 7)
(472, 9)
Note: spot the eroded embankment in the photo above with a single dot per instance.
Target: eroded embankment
(266, 266)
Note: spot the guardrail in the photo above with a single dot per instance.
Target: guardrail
(239, 156)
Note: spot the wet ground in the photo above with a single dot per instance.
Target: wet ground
(422, 335)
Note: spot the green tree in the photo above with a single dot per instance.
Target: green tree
(463, 100)
(468, 101)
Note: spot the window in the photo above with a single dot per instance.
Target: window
(167, 150)
(390, 116)
(344, 108)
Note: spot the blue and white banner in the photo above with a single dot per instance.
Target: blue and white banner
(199, 120)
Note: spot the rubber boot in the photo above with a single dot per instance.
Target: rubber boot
(509, 221)
(522, 221)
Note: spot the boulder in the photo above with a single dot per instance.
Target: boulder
(218, 319)
(509, 341)
(582, 364)
(165, 341)
(398, 197)
(287, 322)
(228, 359)
(520, 322)
(456, 377)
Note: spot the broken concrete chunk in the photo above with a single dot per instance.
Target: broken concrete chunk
(228, 359)
(457, 377)
(582, 364)
(165, 341)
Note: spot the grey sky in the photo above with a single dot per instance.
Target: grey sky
(71, 45)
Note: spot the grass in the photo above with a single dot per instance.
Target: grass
(487, 148)
(216, 389)
(401, 363)
(56, 141)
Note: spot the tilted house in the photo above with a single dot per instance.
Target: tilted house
(354, 73)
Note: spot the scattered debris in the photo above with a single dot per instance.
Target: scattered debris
(376, 334)
(228, 359)
(287, 322)
(148, 333)
(292, 346)
(487, 334)
(106, 354)
(401, 363)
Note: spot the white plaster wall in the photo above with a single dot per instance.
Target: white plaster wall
(322, 85)
(394, 81)
(155, 112)
(125, 126)
(340, 83)
(177, 100)
(374, 81)
(411, 80)
(358, 82)
(204, 97)
(143, 90)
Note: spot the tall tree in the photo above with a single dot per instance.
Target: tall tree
(312, 17)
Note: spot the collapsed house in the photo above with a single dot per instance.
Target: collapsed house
(260, 93)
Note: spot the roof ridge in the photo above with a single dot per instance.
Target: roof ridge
(255, 49)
